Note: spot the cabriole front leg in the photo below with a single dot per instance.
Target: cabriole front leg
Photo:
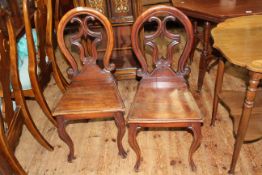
(132, 131)
(196, 129)
(120, 123)
(65, 137)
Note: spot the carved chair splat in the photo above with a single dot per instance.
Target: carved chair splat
(93, 91)
(163, 98)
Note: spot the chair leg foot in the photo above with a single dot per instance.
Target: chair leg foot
(120, 123)
(65, 137)
(132, 131)
(196, 128)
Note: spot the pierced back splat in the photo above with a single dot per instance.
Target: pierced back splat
(161, 15)
(85, 39)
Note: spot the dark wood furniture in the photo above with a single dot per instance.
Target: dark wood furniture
(93, 91)
(43, 13)
(37, 13)
(42, 10)
(163, 98)
(239, 40)
(212, 12)
(11, 120)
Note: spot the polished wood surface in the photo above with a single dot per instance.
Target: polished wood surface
(211, 13)
(218, 10)
(162, 99)
(242, 31)
(158, 105)
(244, 34)
(76, 97)
(92, 92)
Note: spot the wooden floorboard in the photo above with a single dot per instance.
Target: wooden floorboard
(164, 151)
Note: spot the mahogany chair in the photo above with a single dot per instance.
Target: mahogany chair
(93, 91)
(163, 99)
(12, 115)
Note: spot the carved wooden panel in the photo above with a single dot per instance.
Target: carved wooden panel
(121, 11)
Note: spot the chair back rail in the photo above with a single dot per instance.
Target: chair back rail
(6, 102)
(40, 20)
(50, 47)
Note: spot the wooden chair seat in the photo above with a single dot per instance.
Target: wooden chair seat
(163, 105)
(89, 94)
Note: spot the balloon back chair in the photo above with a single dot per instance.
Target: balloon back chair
(163, 99)
(93, 91)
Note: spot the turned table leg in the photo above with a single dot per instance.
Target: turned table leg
(120, 123)
(196, 129)
(204, 59)
(132, 131)
(246, 112)
(65, 137)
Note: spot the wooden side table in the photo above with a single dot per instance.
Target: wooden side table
(212, 12)
(239, 40)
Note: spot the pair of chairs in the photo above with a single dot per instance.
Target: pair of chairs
(162, 99)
